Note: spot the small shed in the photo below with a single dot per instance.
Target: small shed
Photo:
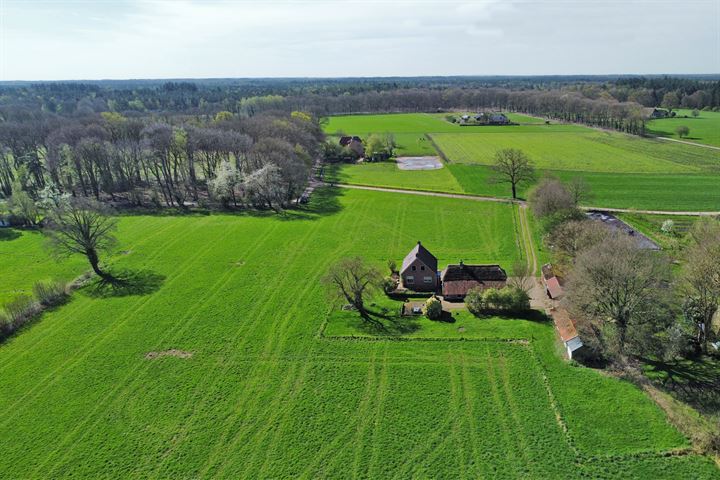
(553, 288)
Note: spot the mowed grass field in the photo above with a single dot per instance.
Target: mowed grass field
(585, 151)
(703, 129)
(266, 395)
(623, 171)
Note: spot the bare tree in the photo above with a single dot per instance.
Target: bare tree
(701, 279)
(579, 190)
(514, 167)
(571, 238)
(615, 282)
(550, 196)
(522, 278)
(353, 280)
(82, 226)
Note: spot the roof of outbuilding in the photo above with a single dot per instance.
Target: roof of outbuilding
(421, 253)
(478, 273)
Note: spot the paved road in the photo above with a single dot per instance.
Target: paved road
(519, 202)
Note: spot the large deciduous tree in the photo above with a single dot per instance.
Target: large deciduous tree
(701, 279)
(615, 284)
(84, 226)
(352, 280)
(512, 166)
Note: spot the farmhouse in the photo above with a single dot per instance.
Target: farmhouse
(498, 119)
(659, 113)
(354, 143)
(419, 270)
(458, 280)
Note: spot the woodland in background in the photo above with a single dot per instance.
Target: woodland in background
(247, 142)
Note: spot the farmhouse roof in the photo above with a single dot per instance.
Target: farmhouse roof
(347, 140)
(421, 253)
(478, 273)
(458, 280)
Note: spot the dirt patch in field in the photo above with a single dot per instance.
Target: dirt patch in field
(419, 163)
(168, 353)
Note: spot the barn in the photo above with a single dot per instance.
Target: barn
(458, 280)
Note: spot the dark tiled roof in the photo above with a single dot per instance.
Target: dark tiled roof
(421, 253)
(478, 273)
(460, 288)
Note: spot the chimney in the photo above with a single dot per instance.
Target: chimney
(419, 242)
(461, 263)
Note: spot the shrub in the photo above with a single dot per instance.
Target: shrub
(507, 299)
(474, 301)
(389, 284)
(433, 308)
(50, 293)
(667, 226)
(18, 308)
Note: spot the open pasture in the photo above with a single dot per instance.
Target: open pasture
(587, 151)
(258, 393)
(25, 259)
(703, 129)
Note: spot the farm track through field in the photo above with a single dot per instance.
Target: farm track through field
(712, 147)
(479, 198)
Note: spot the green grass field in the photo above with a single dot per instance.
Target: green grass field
(589, 151)
(703, 129)
(264, 395)
(388, 174)
(623, 171)
(26, 260)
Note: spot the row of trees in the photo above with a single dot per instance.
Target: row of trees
(629, 301)
(264, 161)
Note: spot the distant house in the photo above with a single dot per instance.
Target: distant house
(419, 270)
(458, 280)
(354, 143)
(660, 113)
(553, 289)
(498, 119)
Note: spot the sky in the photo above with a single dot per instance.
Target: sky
(114, 39)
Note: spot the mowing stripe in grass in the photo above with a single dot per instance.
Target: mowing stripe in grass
(122, 388)
(92, 345)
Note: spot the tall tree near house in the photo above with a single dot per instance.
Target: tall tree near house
(514, 167)
(84, 226)
(352, 280)
(615, 282)
(701, 279)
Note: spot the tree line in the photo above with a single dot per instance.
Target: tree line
(262, 161)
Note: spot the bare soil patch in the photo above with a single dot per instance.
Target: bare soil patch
(168, 353)
(419, 163)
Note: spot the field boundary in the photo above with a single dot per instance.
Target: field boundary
(438, 149)
(480, 198)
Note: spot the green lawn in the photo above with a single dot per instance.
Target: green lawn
(703, 129)
(588, 151)
(264, 396)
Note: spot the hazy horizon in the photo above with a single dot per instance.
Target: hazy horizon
(157, 40)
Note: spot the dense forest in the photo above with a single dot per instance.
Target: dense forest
(253, 142)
